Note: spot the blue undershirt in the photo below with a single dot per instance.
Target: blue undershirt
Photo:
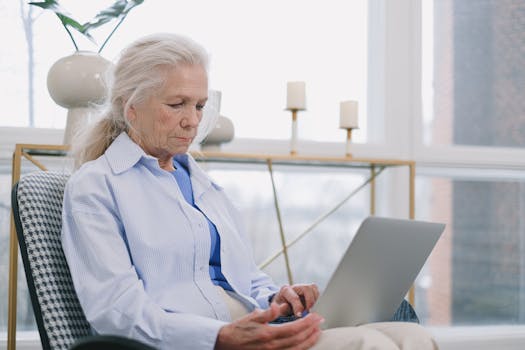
(183, 180)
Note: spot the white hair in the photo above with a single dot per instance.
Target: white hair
(137, 74)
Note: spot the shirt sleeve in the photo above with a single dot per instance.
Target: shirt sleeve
(263, 289)
(109, 289)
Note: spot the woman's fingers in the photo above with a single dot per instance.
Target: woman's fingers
(296, 334)
(268, 315)
(253, 332)
(289, 295)
(310, 294)
(300, 297)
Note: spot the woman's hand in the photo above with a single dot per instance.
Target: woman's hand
(253, 331)
(298, 297)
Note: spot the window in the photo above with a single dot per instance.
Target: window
(476, 274)
(468, 143)
(474, 73)
(256, 47)
(446, 80)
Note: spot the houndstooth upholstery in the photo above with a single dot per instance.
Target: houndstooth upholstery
(37, 207)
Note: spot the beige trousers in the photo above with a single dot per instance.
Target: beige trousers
(381, 335)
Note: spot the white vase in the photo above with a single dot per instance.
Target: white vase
(223, 132)
(76, 82)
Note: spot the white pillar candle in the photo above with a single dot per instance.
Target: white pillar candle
(348, 115)
(296, 95)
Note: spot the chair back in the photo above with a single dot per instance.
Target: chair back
(37, 210)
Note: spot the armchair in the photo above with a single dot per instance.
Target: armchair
(37, 210)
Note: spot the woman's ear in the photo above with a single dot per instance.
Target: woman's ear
(131, 112)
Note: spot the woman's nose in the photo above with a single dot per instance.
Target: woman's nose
(192, 118)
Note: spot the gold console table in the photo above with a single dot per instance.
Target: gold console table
(375, 167)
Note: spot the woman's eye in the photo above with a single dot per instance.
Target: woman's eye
(176, 105)
(200, 107)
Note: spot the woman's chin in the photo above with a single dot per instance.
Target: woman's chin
(181, 149)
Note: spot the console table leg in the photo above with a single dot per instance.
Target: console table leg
(281, 230)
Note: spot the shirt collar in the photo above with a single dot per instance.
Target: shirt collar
(123, 154)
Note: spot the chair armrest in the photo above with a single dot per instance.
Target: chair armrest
(109, 342)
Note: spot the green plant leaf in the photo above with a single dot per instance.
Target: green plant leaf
(118, 10)
(61, 13)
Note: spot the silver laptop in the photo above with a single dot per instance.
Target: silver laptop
(377, 270)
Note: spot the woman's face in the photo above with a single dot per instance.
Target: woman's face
(166, 123)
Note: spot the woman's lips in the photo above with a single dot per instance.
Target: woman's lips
(184, 139)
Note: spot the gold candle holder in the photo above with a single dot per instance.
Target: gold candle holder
(348, 152)
(293, 141)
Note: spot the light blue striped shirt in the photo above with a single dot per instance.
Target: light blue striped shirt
(139, 253)
(182, 176)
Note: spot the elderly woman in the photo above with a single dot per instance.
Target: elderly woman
(155, 248)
